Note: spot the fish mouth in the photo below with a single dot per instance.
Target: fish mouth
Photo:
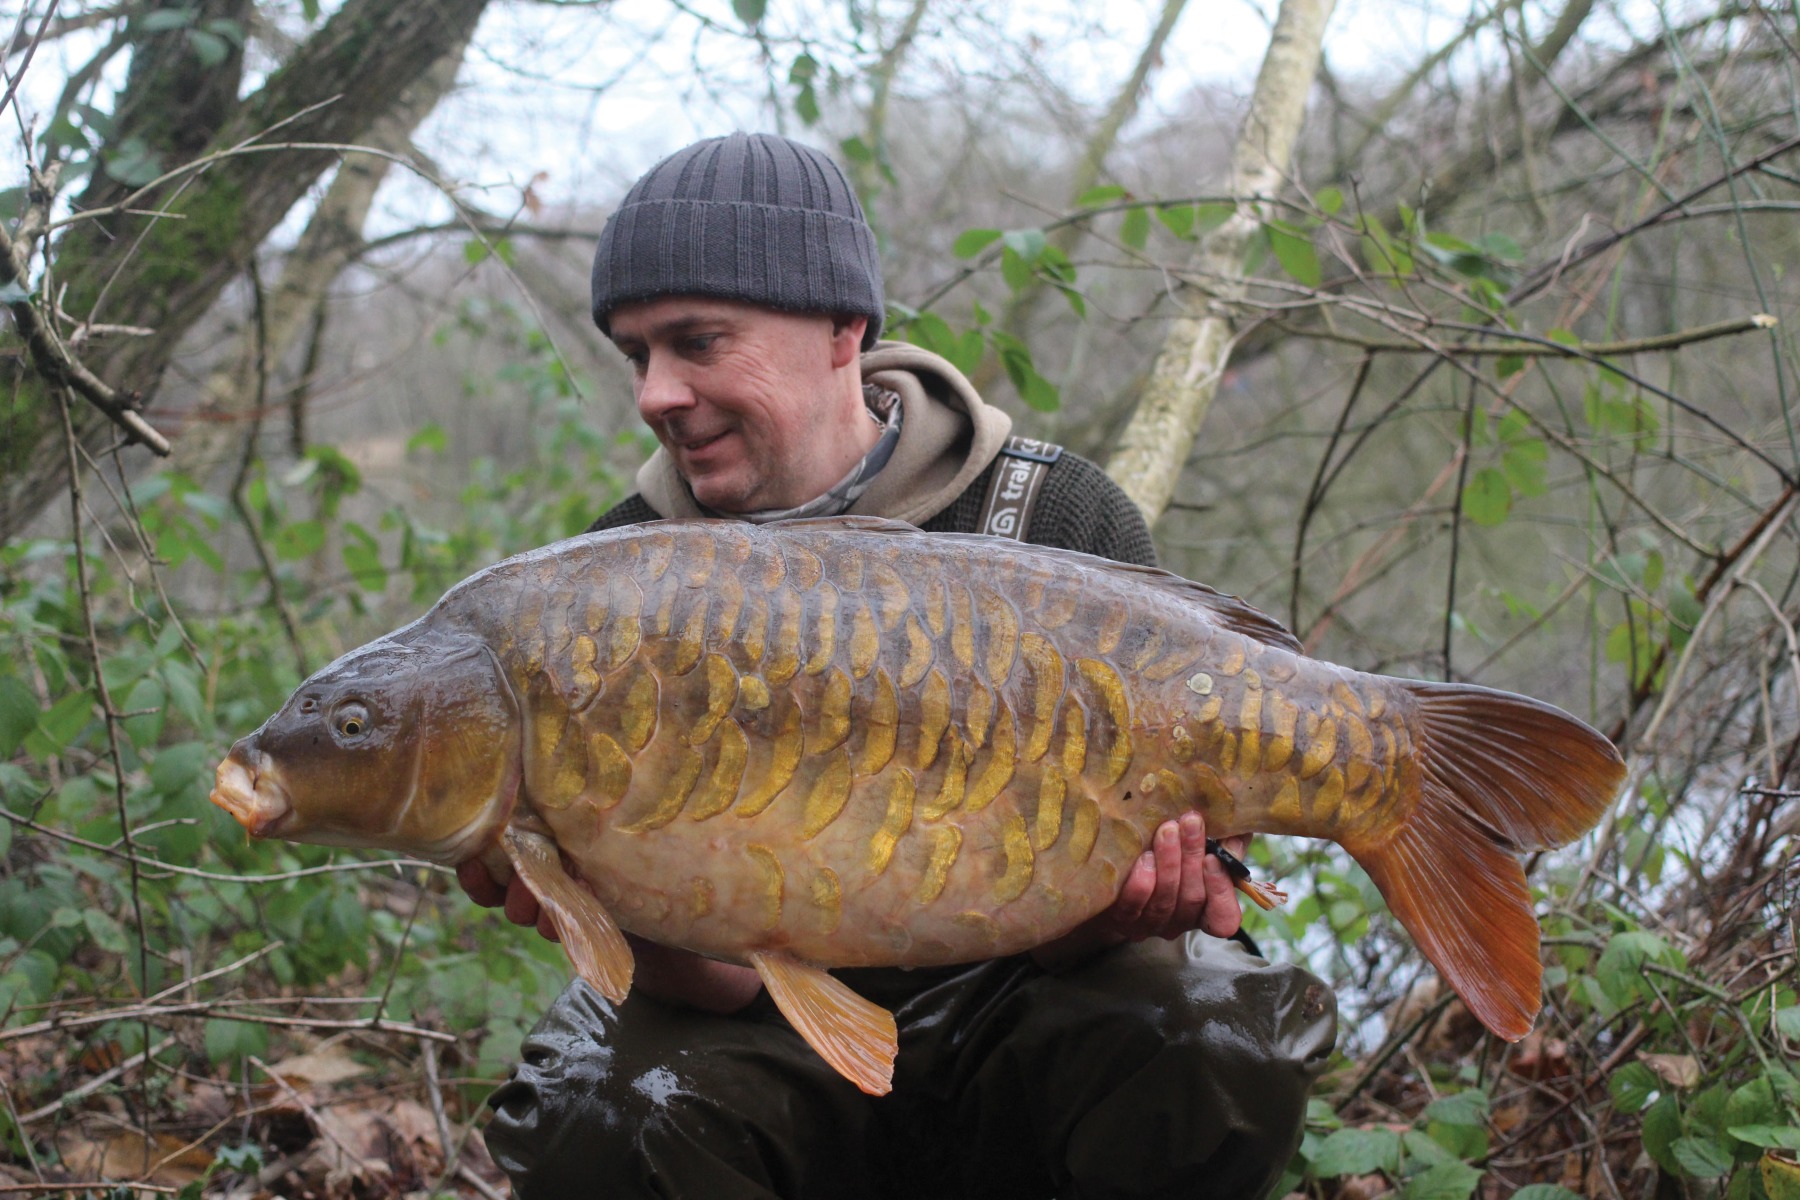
(250, 792)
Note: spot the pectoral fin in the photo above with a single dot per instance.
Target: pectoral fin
(855, 1036)
(593, 942)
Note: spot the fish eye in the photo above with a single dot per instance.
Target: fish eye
(351, 721)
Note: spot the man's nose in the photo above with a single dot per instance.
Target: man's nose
(661, 391)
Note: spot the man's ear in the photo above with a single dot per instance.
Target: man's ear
(846, 338)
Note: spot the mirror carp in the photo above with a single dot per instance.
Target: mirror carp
(845, 742)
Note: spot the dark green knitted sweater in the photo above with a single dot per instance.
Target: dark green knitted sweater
(1078, 508)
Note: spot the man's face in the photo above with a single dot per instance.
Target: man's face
(737, 394)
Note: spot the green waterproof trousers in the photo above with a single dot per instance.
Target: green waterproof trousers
(1162, 1069)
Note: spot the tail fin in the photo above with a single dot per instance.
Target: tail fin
(1499, 773)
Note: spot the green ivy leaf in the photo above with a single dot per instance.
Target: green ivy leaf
(1662, 1125)
(1014, 269)
(1208, 217)
(299, 540)
(1544, 1191)
(1700, 1158)
(1134, 230)
(806, 104)
(105, 931)
(1525, 464)
(228, 1042)
(1488, 497)
(1329, 200)
(18, 713)
(1106, 193)
(1294, 251)
(1464, 1108)
(165, 19)
(59, 725)
(1769, 1137)
(750, 12)
(1633, 1086)
(1445, 1181)
(133, 163)
(971, 242)
(1787, 1022)
(208, 47)
(1508, 365)
(431, 436)
(1028, 244)
(1381, 256)
(1357, 1152)
(362, 555)
(856, 150)
(1179, 218)
(1499, 245)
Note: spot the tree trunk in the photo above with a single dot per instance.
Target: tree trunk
(331, 240)
(163, 273)
(1156, 444)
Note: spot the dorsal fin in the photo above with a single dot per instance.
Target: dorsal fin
(858, 522)
(1229, 611)
(1234, 614)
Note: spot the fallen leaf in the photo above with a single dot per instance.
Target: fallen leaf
(1676, 1070)
(1780, 1177)
(330, 1063)
(98, 1153)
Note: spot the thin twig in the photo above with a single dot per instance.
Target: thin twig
(239, 503)
(110, 717)
(220, 1010)
(17, 77)
(157, 864)
(96, 1083)
(1513, 347)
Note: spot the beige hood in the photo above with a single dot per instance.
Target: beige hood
(947, 439)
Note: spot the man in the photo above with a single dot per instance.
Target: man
(1128, 1059)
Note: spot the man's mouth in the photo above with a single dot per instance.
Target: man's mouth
(693, 445)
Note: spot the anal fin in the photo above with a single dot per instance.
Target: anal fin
(592, 940)
(856, 1036)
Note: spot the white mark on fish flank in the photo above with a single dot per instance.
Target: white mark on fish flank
(1200, 683)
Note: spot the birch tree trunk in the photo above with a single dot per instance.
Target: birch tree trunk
(1156, 443)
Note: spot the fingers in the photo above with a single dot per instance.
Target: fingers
(546, 927)
(1195, 884)
(474, 879)
(1128, 910)
(1165, 894)
(1223, 913)
(521, 906)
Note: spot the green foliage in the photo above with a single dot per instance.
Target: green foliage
(188, 681)
(1293, 249)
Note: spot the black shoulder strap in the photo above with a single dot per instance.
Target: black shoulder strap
(1019, 472)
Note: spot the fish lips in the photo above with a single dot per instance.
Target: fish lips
(249, 791)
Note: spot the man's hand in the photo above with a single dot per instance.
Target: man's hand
(520, 905)
(677, 976)
(1174, 887)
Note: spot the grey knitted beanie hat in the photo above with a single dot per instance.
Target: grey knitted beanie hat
(750, 217)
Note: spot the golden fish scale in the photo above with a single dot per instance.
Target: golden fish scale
(868, 749)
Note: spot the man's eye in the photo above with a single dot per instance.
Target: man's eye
(700, 343)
